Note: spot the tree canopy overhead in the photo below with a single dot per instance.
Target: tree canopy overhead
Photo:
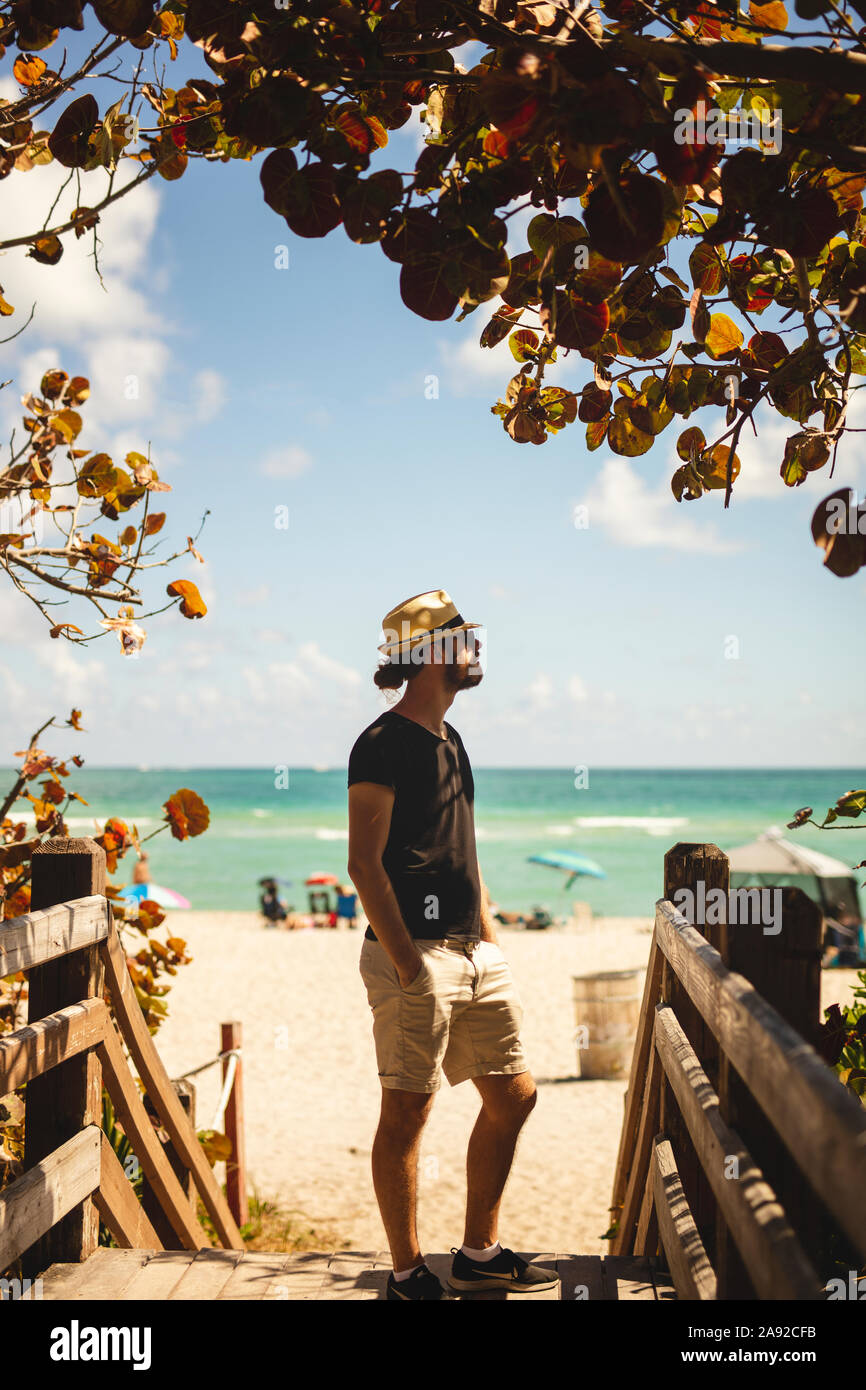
(609, 121)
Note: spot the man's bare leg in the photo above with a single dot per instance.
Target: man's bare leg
(506, 1103)
(395, 1170)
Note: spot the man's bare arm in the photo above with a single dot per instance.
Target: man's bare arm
(488, 928)
(370, 808)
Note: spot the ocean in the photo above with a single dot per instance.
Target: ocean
(624, 819)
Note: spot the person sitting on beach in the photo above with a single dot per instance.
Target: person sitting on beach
(136, 889)
(141, 868)
(272, 906)
(347, 905)
(438, 984)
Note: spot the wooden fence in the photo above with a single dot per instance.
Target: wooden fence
(742, 1156)
(72, 1047)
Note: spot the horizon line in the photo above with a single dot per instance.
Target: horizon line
(478, 767)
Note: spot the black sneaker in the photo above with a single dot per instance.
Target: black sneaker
(505, 1271)
(421, 1286)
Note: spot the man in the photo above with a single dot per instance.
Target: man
(437, 982)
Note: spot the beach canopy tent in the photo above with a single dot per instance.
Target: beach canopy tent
(771, 861)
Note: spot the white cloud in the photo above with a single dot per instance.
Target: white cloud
(125, 372)
(576, 688)
(110, 330)
(288, 462)
(312, 676)
(321, 665)
(209, 392)
(81, 675)
(69, 296)
(634, 514)
(540, 692)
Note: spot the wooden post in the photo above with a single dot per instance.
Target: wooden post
(785, 968)
(236, 1167)
(67, 1098)
(700, 869)
(185, 1091)
(784, 965)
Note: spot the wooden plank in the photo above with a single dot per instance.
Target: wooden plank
(61, 1277)
(641, 1162)
(120, 1209)
(38, 937)
(687, 1259)
(699, 876)
(647, 1237)
(105, 1276)
(37, 1047)
(231, 1038)
(637, 1077)
(254, 1273)
(145, 1144)
(152, 1072)
(67, 1098)
(785, 968)
(207, 1275)
(663, 1285)
(293, 1284)
(823, 1126)
(351, 1274)
(160, 1273)
(33, 1203)
(758, 1224)
(580, 1278)
(185, 1092)
(628, 1279)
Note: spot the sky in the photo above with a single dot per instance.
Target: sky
(655, 635)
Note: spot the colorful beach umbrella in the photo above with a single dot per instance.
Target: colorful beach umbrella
(155, 893)
(575, 865)
(321, 881)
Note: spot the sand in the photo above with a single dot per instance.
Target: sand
(311, 1093)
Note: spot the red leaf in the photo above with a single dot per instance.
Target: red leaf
(423, 288)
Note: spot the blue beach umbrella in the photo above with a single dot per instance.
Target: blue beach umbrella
(574, 865)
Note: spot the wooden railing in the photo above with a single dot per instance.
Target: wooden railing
(742, 1156)
(71, 1047)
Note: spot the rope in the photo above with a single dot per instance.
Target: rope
(230, 1052)
(219, 1113)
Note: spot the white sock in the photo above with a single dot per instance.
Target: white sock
(401, 1274)
(489, 1253)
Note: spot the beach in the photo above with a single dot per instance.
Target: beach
(311, 1092)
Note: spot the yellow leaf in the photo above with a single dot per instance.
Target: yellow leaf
(771, 16)
(723, 337)
(714, 467)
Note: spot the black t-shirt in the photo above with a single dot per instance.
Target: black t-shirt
(430, 856)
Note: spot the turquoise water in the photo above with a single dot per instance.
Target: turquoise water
(625, 820)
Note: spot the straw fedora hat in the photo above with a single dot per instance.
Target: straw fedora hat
(420, 617)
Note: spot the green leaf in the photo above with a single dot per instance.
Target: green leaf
(804, 453)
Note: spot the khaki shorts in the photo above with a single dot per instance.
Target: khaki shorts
(461, 1015)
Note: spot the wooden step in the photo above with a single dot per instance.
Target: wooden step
(157, 1275)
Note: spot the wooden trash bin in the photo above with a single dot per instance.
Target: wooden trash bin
(606, 1012)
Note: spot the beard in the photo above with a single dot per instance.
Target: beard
(463, 677)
